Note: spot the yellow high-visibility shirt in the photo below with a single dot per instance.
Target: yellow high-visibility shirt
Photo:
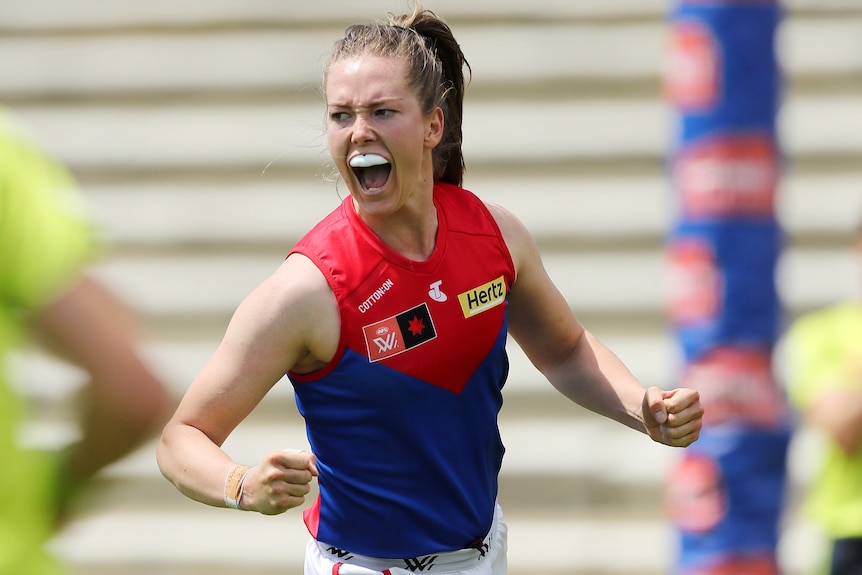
(824, 351)
(44, 241)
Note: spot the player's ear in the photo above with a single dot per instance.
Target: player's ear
(434, 128)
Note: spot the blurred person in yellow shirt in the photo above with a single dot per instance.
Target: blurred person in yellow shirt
(46, 244)
(824, 351)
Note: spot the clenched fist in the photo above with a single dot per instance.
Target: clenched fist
(673, 417)
(279, 482)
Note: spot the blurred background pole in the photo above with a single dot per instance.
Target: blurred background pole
(724, 84)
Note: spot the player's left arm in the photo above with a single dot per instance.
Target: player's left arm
(577, 363)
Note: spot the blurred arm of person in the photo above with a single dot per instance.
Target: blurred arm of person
(839, 413)
(124, 403)
(826, 368)
(46, 246)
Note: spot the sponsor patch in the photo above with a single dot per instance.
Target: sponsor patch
(483, 297)
(399, 333)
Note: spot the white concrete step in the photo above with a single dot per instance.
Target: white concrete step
(247, 542)
(163, 13)
(617, 282)
(228, 60)
(222, 543)
(204, 284)
(158, 536)
(65, 14)
(291, 60)
(584, 445)
(256, 137)
(218, 542)
(652, 357)
(277, 211)
(561, 442)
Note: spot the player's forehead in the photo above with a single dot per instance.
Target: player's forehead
(366, 80)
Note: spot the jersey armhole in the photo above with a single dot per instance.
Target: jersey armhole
(339, 351)
(502, 240)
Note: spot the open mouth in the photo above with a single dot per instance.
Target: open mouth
(371, 170)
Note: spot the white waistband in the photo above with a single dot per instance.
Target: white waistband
(447, 561)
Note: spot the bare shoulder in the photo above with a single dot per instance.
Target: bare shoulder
(518, 238)
(503, 216)
(294, 286)
(296, 306)
(315, 304)
(299, 277)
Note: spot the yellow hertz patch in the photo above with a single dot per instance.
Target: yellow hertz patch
(483, 297)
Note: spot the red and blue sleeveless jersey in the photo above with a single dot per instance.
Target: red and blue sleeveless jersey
(403, 420)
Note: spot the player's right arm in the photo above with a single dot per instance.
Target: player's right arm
(288, 322)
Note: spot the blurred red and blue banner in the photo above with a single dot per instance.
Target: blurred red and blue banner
(724, 82)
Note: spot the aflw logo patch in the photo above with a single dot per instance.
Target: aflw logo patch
(484, 297)
(399, 333)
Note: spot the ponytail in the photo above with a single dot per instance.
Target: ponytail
(448, 93)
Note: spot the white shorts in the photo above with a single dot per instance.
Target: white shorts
(487, 559)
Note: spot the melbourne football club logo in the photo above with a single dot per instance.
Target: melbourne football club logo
(399, 333)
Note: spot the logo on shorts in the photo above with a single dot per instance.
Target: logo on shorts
(340, 553)
(483, 547)
(483, 297)
(425, 563)
(399, 333)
